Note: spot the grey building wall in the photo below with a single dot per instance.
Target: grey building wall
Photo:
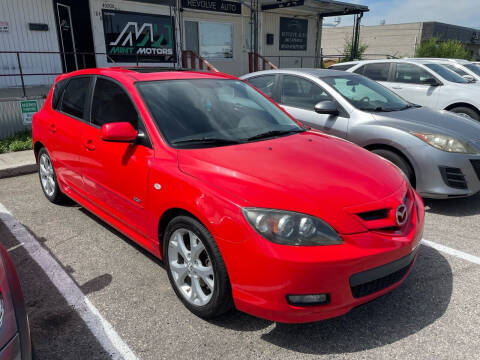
(399, 40)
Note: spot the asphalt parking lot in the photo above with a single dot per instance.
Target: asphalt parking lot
(434, 314)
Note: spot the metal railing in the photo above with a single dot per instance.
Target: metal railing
(191, 58)
(257, 61)
(300, 61)
(16, 64)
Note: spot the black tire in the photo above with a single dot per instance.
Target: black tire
(399, 161)
(221, 300)
(466, 111)
(57, 197)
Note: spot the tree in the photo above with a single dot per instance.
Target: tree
(348, 50)
(435, 48)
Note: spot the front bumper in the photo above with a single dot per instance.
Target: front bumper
(430, 174)
(263, 277)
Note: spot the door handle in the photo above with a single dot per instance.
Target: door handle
(89, 145)
(53, 129)
(397, 87)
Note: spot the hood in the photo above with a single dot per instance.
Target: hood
(308, 172)
(432, 121)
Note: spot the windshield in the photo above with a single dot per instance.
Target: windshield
(446, 73)
(456, 69)
(473, 67)
(365, 94)
(213, 112)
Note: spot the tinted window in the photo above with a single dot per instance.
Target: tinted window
(265, 83)
(193, 110)
(302, 93)
(73, 101)
(112, 104)
(377, 71)
(446, 74)
(473, 67)
(456, 69)
(411, 74)
(359, 70)
(57, 93)
(342, 67)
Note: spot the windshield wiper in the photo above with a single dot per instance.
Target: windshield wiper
(207, 140)
(273, 133)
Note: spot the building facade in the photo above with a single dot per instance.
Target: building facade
(96, 33)
(400, 40)
(40, 39)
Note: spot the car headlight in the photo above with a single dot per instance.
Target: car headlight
(291, 228)
(446, 143)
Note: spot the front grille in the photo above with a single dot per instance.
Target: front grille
(379, 284)
(476, 166)
(453, 177)
(374, 215)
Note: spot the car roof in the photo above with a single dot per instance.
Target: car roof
(315, 72)
(135, 74)
(443, 60)
(408, 60)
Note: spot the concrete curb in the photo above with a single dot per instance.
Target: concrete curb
(17, 171)
(17, 163)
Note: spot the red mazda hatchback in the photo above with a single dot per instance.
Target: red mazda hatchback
(245, 206)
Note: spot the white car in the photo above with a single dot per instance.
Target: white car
(470, 71)
(422, 82)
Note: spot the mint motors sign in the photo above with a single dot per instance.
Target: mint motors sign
(131, 36)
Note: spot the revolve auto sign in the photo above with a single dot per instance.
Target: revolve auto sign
(293, 34)
(230, 7)
(131, 37)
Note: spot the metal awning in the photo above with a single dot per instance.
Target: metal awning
(324, 8)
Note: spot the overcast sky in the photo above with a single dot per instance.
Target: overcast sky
(458, 12)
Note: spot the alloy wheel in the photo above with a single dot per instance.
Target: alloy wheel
(47, 175)
(191, 267)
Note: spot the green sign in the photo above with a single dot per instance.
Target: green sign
(28, 108)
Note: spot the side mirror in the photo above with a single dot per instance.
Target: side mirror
(118, 132)
(469, 78)
(326, 107)
(431, 82)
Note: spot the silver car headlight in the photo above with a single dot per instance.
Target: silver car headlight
(446, 143)
(291, 228)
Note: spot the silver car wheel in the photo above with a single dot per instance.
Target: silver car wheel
(191, 267)
(47, 175)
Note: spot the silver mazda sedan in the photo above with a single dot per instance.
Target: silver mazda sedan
(438, 151)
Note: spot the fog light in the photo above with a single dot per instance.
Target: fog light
(308, 300)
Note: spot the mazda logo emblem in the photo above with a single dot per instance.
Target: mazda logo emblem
(401, 215)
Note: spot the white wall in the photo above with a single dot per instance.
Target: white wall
(238, 65)
(395, 39)
(271, 24)
(18, 13)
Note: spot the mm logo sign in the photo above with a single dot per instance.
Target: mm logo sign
(130, 36)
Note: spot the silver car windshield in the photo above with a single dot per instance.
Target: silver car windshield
(366, 94)
(473, 67)
(197, 113)
(446, 73)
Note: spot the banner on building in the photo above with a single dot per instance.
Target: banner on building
(132, 37)
(229, 7)
(293, 34)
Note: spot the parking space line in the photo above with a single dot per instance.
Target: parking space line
(99, 326)
(451, 251)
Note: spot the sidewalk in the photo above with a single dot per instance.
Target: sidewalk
(17, 163)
